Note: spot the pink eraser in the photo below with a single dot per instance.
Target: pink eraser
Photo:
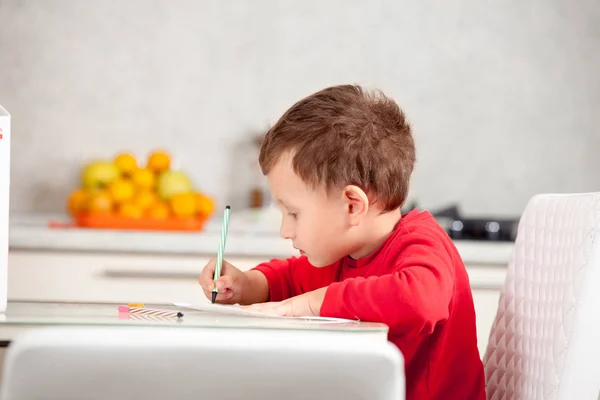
(123, 309)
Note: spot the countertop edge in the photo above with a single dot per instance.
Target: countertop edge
(244, 244)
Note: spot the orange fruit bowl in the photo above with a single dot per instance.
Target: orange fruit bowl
(111, 221)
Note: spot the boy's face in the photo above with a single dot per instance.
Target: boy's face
(318, 225)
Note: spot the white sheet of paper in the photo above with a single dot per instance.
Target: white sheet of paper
(240, 311)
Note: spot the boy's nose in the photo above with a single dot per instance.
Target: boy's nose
(285, 232)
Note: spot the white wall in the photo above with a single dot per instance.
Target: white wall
(503, 95)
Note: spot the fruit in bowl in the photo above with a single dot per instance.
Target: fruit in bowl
(124, 193)
(99, 174)
(171, 183)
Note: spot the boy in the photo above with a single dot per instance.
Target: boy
(338, 165)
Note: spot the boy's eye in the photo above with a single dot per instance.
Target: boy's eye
(293, 215)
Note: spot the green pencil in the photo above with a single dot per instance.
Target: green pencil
(222, 242)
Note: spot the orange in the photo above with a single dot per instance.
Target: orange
(130, 210)
(122, 190)
(143, 178)
(159, 210)
(77, 201)
(159, 161)
(144, 199)
(205, 206)
(183, 205)
(126, 162)
(99, 202)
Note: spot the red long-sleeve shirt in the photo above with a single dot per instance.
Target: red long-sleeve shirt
(416, 284)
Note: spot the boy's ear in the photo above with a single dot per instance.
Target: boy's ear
(357, 203)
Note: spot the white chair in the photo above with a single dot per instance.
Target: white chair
(180, 363)
(545, 340)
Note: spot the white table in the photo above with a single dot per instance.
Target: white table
(22, 315)
(296, 343)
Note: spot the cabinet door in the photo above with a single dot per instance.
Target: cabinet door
(122, 278)
(486, 284)
(486, 304)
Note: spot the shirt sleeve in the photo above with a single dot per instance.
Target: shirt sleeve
(413, 298)
(279, 274)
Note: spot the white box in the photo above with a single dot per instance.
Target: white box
(4, 203)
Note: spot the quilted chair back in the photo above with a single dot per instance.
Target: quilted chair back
(545, 341)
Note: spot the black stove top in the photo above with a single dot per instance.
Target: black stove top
(483, 228)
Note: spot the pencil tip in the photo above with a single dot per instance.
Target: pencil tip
(214, 297)
(228, 208)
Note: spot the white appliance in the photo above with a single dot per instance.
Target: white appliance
(4, 202)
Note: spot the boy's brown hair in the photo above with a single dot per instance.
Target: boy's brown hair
(344, 135)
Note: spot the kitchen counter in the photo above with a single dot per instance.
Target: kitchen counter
(81, 265)
(250, 234)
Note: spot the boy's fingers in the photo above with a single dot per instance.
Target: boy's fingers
(221, 295)
(205, 280)
(224, 282)
(208, 286)
(224, 267)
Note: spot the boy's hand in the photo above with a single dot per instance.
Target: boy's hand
(230, 284)
(307, 304)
